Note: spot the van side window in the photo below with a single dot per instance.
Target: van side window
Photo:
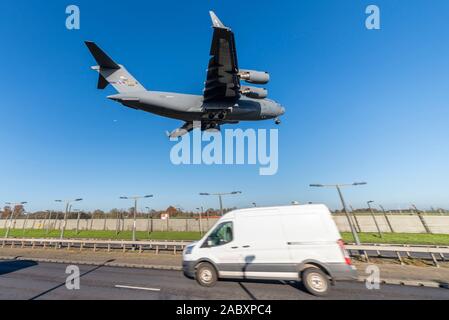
(222, 235)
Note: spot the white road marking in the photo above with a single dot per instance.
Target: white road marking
(137, 288)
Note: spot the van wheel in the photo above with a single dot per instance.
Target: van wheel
(206, 275)
(316, 282)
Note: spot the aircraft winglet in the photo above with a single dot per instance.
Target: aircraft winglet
(216, 22)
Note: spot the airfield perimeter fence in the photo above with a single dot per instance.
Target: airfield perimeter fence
(435, 224)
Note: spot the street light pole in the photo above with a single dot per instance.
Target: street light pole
(150, 221)
(25, 223)
(200, 211)
(220, 198)
(354, 232)
(374, 218)
(13, 206)
(47, 220)
(135, 219)
(338, 187)
(136, 198)
(68, 205)
(78, 221)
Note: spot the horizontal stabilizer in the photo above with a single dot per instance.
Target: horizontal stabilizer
(103, 60)
(216, 22)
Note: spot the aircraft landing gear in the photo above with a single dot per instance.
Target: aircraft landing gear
(217, 116)
(277, 121)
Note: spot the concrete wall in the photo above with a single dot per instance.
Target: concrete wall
(402, 224)
(181, 225)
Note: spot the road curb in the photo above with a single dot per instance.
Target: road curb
(411, 283)
(92, 263)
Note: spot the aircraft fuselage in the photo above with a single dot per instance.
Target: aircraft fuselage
(193, 107)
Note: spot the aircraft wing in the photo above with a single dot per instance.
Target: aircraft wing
(222, 74)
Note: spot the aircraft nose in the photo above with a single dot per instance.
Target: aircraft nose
(281, 110)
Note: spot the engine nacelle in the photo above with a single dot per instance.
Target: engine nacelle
(254, 92)
(256, 77)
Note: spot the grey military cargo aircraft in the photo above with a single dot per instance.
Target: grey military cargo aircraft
(224, 101)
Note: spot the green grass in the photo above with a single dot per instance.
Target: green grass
(393, 238)
(109, 235)
(400, 238)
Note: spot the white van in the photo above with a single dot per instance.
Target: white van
(278, 243)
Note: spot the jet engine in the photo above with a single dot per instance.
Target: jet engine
(254, 92)
(256, 77)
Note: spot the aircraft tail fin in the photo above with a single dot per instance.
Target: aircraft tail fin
(112, 73)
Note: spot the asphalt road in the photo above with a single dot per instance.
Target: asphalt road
(31, 280)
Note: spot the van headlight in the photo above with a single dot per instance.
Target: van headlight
(188, 250)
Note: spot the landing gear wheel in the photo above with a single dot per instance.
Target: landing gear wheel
(206, 275)
(277, 121)
(316, 282)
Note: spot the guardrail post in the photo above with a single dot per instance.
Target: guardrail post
(435, 261)
(399, 258)
(366, 256)
(408, 253)
(378, 252)
(442, 256)
(157, 249)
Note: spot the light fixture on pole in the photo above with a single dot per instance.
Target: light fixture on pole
(200, 212)
(220, 197)
(338, 187)
(68, 204)
(135, 198)
(12, 206)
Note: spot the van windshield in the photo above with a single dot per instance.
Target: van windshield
(221, 235)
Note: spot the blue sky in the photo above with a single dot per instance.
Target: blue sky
(361, 105)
